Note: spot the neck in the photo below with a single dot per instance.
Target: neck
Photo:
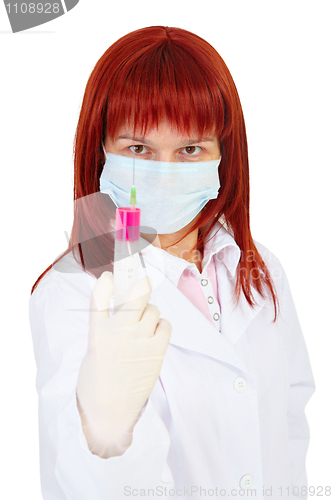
(182, 249)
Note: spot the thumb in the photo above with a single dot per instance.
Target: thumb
(101, 296)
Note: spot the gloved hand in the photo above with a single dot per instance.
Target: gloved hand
(122, 364)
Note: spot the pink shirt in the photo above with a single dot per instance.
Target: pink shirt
(199, 294)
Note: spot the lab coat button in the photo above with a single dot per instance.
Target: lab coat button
(216, 317)
(204, 282)
(240, 385)
(246, 482)
(210, 300)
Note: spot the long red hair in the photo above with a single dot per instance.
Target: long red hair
(148, 75)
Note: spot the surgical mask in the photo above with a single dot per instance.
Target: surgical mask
(169, 194)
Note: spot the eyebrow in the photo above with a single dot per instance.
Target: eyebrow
(186, 143)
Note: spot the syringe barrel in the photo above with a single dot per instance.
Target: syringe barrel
(126, 257)
(127, 224)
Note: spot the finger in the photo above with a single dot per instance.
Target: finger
(162, 335)
(100, 297)
(131, 312)
(148, 323)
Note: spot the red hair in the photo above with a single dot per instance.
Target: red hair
(148, 75)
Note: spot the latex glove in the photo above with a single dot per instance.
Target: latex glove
(122, 364)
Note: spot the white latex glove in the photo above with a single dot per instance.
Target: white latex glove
(122, 364)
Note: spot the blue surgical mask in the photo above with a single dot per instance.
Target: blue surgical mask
(169, 194)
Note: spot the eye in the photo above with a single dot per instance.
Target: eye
(138, 149)
(190, 150)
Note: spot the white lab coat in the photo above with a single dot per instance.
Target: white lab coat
(226, 414)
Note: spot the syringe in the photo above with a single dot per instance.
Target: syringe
(126, 250)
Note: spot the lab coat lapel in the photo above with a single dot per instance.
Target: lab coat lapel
(235, 318)
(193, 331)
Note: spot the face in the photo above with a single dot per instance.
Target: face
(164, 144)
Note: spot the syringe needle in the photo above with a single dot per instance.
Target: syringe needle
(133, 197)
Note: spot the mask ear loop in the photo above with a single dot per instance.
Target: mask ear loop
(104, 150)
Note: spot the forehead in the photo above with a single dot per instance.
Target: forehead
(163, 128)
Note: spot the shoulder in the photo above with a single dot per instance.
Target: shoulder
(271, 260)
(273, 265)
(66, 280)
(59, 313)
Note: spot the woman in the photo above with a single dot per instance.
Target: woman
(202, 391)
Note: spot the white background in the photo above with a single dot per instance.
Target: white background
(280, 56)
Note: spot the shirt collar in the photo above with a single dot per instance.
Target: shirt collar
(219, 243)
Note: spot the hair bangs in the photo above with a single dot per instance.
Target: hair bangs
(165, 83)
